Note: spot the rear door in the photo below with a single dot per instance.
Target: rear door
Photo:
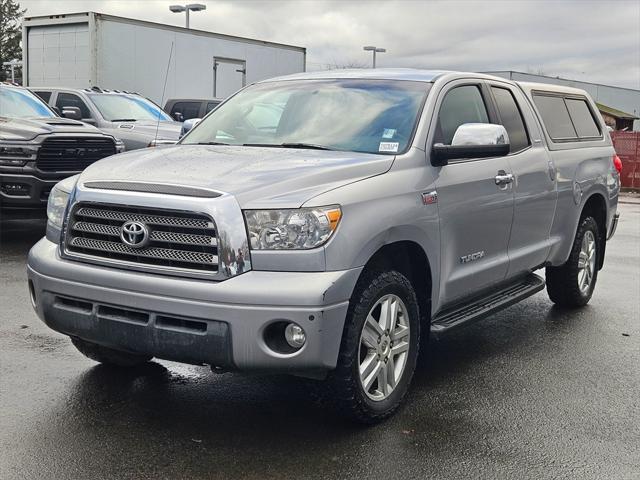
(475, 213)
(229, 76)
(534, 185)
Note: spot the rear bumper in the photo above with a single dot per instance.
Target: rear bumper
(193, 321)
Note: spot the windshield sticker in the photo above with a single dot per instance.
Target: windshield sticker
(388, 133)
(388, 147)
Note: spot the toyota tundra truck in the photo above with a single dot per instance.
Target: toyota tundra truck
(320, 224)
(38, 149)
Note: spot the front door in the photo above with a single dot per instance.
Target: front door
(475, 213)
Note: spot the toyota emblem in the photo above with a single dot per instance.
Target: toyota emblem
(134, 234)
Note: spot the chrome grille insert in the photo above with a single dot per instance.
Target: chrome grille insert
(177, 240)
(145, 218)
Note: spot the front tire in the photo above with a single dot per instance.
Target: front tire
(379, 347)
(109, 356)
(571, 285)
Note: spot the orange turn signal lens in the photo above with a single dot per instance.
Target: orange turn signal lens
(334, 217)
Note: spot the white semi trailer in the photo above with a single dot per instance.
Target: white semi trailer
(89, 49)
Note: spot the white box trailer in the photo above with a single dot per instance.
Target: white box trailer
(89, 49)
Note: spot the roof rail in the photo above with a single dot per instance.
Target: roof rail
(96, 88)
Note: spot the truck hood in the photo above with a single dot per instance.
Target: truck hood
(147, 128)
(29, 128)
(257, 177)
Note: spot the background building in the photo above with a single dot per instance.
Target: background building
(82, 50)
(620, 107)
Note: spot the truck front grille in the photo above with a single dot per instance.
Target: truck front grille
(175, 239)
(72, 154)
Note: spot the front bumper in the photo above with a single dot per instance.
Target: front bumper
(33, 192)
(193, 321)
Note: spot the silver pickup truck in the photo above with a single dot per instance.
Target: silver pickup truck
(320, 224)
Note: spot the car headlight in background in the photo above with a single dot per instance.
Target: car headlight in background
(120, 146)
(58, 200)
(16, 155)
(161, 142)
(291, 229)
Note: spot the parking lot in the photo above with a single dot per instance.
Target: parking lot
(532, 392)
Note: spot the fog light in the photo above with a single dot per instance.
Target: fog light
(15, 189)
(294, 335)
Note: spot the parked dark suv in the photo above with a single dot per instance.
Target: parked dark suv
(182, 109)
(38, 148)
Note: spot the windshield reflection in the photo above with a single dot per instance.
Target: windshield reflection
(355, 115)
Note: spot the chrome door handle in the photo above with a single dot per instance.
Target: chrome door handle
(503, 178)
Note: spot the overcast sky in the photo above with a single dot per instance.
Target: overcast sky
(597, 41)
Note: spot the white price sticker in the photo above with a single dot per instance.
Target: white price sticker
(388, 147)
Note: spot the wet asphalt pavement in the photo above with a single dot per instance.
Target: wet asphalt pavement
(532, 392)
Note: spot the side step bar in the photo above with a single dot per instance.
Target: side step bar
(479, 308)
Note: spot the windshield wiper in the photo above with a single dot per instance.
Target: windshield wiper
(310, 146)
(124, 120)
(212, 143)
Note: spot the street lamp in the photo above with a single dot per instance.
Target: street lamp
(374, 50)
(13, 64)
(196, 7)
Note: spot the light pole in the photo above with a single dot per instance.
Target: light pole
(13, 64)
(374, 50)
(196, 7)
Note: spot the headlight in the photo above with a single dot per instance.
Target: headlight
(16, 155)
(292, 229)
(58, 199)
(161, 142)
(119, 146)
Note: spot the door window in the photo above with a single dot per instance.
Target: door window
(187, 109)
(71, 100)
(460, 105)
(211, 106)
(46, 96)
(511, 118)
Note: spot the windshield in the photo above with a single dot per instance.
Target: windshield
(20, 103)
(116, 107)
(355, 115)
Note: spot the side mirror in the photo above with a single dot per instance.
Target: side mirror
(178, 117)
(188, 125)
(72, 113)
(472, 140)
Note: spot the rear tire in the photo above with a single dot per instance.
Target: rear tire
(571, 285)
(376, 364)
(109, 356)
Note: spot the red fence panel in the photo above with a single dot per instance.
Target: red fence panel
(627, 145)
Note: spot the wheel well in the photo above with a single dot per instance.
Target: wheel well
(596, 207)
(409, 259)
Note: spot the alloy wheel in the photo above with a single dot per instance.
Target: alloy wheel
(384, 347)
(586, 262)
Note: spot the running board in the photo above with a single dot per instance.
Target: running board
(482, 307)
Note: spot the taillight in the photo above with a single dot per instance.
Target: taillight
(617, 163)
